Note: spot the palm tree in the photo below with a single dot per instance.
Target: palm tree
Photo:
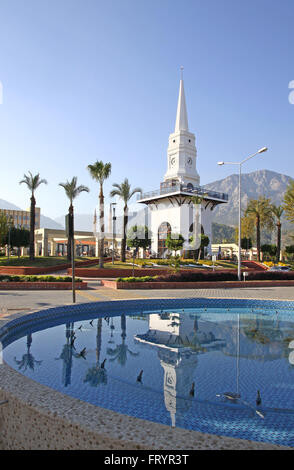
(278, 212)
(28, 360)
(97, 375)
(124, 191)
(72, 191)
(100, 172)
(32, 182)
(289, 201)
(261, 210)
(120, 353)
(67, 355)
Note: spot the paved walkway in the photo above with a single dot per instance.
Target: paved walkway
(19, 302)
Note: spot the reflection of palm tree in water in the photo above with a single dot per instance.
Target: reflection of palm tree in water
(111, 341)
(97, 374)
(120, 353)
(28, 360)
(66, 355)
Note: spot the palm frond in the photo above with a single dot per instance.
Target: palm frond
(32, 182)
(100, 171)
(72, 190)
(277, 211)
(124, 191)
(134, 191)
(114, 193)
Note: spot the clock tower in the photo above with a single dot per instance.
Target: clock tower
(172, 207)
(181, 153)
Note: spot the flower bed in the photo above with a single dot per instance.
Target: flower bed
(115, 284)
(8, 278)
(194, 276)
(41, 285)
(194, 280)
(39, 282)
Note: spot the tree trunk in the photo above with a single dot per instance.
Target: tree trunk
(98, 341)
(123, 324)
(279, 226)
(70, 231)
(124, 239)
(101, 236)
(32, 228)
(258, 237)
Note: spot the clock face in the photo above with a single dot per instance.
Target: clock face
(189, 161)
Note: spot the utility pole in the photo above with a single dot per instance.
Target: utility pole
(112, 204)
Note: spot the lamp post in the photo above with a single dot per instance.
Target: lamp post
(8, 251)
(263, 149)
(112, 209)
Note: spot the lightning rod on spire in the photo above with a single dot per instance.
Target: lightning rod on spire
(181, 68)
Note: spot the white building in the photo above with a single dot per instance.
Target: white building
(171, 208)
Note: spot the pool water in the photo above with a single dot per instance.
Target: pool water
(180, 367)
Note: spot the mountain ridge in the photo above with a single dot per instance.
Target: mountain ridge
(45, 222)
(267, 183)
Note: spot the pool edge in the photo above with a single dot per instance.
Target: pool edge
(38, 417)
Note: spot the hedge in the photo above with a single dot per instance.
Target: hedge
(14, 278)
(137, 279)
(212, 276)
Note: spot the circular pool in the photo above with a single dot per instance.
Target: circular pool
(218, 366)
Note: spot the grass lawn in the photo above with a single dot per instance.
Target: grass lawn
(39, 261)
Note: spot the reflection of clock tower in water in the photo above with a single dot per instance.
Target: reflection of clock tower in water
(177, 359)
(171, 207)
(179, 369)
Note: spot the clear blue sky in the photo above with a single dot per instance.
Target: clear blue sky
(90, 79)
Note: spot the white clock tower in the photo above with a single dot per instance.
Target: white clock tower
(172, 210)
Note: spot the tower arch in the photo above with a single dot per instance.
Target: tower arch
(163, 231)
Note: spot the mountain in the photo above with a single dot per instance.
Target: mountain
(82, 222)
(45, 222)
(258, 183)
(222, 233)
(8, 205)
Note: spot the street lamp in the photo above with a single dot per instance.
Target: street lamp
(263, 149)
(112, 210)
(8, 251)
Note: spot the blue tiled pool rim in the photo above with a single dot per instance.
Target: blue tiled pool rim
(57, 315)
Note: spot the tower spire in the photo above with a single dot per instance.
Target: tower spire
(182, 117)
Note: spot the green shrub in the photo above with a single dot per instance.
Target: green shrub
(34, 278)
(199, 276)
(136, 279)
